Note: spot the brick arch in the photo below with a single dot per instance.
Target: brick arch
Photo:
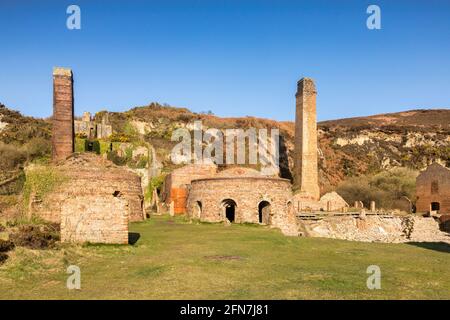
(229, 209)
(264, 212)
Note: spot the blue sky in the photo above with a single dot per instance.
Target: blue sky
(235, 58)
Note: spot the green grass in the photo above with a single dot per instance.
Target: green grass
(177, 260)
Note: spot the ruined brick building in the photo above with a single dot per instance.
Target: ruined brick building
(93, 128)
(176, 184)
(97, 199)
(240, 195)
(94, 199)
(244, 195)
(433, 190)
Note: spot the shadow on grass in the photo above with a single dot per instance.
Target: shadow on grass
(133, 237)
(436, 246)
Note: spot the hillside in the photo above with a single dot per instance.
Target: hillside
(369, 144)
(412, 119)
(348, 147)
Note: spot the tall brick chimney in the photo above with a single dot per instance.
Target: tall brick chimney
(306, 176)
(63, 131)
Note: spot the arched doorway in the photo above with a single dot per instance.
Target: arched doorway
(198, 210)
(435, 206)
(264, 212)
(229, 206)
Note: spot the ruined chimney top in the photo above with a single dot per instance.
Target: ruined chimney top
(306, 85)
(59, 71)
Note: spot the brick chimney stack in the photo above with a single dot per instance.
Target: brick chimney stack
(63, 125)
(306, 176)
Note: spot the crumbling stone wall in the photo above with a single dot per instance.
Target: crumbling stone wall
(433, 186)
(92, 129)
(332, 201)
(374, 228)
(208, 199)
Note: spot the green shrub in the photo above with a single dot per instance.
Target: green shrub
(37, 147)
(11, 156)
(80, 145)
(155, 183)
(384, 188)
(14, 186)
(116, 159)
(105, 146)
(41, 181)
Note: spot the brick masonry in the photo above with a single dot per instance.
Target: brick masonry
(176, 184)
(208, 199)
(63, 131)
(95, 219)
(433, 186)
(95, 202)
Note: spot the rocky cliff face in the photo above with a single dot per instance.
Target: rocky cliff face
(347, 147)
(364, 145)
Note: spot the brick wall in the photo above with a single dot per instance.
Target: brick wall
(247, 193)
(177, 182)
(425, 194)
(95, 219)
(89, 177)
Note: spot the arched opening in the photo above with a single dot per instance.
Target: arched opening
(229, 206)
(90, 146)
(198, 209)
(264, 212)
(435, 206)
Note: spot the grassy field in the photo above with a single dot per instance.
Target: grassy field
(176, 260)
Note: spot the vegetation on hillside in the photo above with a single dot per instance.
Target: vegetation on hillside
(385, 188)
(22, 139)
